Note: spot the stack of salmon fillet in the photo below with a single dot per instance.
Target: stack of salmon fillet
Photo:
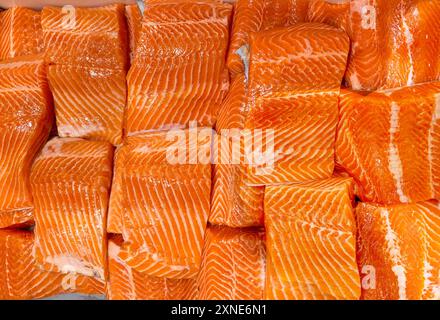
(204, 149)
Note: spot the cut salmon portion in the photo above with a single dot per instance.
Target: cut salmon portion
(22, 279)
(399, 251)
(89, 103)
(70, 183)
(294, 83)
(234, 203)
(86, 37)
(125, 283)
(20, 33)
(134, 25)
(166, 187)
(251, 16)
(179, 75)
(394, 42)
(26, 116)
(233, 264)
(88, 52)
(311, 245)
(390, 143)
(414, 56)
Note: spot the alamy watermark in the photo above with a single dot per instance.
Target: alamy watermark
(196, 145)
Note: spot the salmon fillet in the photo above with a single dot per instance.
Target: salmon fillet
(178, 75)
(233, 264)
(166, 201)
(70, 183)
(234, 203)
(389, 142)
(20, 33)
(394, 42)
(399, 251)
(134, 25)
(25, 120)
(294, 83)
(21, 279)
(251, 16)
(311, 245)
(125, 283)
(88, 54)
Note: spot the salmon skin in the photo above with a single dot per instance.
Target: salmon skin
(25, 121)
(178, 75)
(22, 279)
(294, 83)
(395, 43)
(87, 49)
(70, 183)
(389, 141)
(252, 16)
(234, 203)
(399, 251)
(233, 264)
(20, 33)
(311, 245)
(165, 201)
(125, 283)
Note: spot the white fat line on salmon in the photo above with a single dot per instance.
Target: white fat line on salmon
(307, 54)
(223, 21)
(435, 118)
(428, 285)
(408, 41)
(11, 35)
(20, 88)
(395, 254)
(394, 162)
(6, 265)
(243, 53)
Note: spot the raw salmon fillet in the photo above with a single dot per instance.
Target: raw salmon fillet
(294, 83)
(88, 56)
(25, 121)
(399, 251)
(125, 283)
(311, 245)
(394, 42)
(178, 75)
(233, 264)
(134, 25)
(70, 183)
(21, 279)
(251, 16)
(166, 201)
(234, 203)
(389, 142)
(20, 33)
